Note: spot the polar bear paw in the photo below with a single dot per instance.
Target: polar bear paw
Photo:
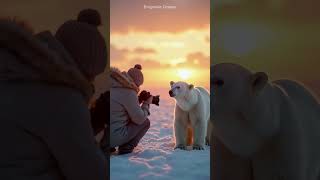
(181, 146)
(198, 147)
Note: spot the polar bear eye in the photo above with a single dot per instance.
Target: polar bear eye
(178, 87)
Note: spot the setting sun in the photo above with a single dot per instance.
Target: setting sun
(184, 74)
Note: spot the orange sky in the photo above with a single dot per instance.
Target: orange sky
(170, 44)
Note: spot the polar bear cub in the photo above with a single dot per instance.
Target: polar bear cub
(192, 114)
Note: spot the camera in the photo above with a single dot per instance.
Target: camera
(144, 95)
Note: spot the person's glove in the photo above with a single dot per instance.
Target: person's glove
(143, 96)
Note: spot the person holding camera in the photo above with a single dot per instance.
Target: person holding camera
(128, 118)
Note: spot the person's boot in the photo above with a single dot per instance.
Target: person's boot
(125, 149)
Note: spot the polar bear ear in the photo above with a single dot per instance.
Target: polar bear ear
(191, 86)
(258, 81)
(171, 83)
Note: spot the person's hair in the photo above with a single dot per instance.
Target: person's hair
(18, 21)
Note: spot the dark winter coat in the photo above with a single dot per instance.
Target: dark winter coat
(45, 130)
(100, 113)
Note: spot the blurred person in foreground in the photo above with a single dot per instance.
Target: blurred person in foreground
(46, 84)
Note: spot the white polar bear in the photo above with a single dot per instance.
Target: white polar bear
(192, 114)
(263, 130)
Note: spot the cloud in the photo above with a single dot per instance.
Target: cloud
(141, 50)
(193, 60)
(118, 55)
(189, 14)
(146, 63)
(196, 60)
(122, 58)
(125, 58)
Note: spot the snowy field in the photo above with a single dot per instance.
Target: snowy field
(154, 158)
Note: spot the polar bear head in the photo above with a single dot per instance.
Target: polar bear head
(179, 89)
(242, 116)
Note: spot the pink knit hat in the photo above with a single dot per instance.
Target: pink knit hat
(136, 74)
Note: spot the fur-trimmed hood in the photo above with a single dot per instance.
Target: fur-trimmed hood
(39, 57)
(122, 80)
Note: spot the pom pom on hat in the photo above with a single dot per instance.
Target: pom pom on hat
(136, 74)
(90, 16)
(138, 66)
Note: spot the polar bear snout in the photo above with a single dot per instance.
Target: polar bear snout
(171, 93)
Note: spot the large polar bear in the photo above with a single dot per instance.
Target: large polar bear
(263, 130)
(192, 114)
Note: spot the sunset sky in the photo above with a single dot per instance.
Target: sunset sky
(170, 44)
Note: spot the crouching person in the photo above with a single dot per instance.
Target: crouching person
(128, 119)
(46, 83)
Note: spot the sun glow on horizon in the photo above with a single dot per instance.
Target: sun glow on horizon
(184, 74)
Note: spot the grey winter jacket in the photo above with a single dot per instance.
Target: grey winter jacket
(124, 107)
(45, 130)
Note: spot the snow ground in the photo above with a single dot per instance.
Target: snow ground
(155, 159)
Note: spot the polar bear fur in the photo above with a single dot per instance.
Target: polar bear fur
(271, 130)
(192, 114)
